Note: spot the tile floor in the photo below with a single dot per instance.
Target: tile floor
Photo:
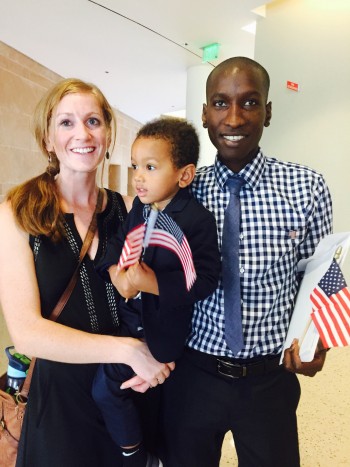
(323, 416)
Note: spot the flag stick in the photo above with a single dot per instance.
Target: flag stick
(151, 221)
(337, 254)
(301, 339)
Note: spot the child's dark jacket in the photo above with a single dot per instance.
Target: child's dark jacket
(166, 318)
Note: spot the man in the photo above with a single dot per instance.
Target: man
(285, 211)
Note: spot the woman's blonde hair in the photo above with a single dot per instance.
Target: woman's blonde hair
(36, 203)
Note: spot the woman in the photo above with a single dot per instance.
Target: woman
(43, 224)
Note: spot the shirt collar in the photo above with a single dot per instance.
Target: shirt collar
(251, 173)
(176, 204)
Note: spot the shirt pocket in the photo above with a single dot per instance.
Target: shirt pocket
(277, 242)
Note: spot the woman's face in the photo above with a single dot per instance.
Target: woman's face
(77, 133)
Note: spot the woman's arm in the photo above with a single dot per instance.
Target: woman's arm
(36, 336)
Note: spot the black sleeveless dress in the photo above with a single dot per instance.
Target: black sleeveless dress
(62, 426)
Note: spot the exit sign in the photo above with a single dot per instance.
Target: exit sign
(293, 86)
(210, 52)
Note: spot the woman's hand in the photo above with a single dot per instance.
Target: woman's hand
(140, 385)
(149, 372)
(292, 362)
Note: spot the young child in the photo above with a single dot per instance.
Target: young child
(164, 156)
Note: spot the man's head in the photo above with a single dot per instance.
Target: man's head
(237, 110)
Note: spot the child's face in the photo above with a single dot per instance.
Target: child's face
(155, 178)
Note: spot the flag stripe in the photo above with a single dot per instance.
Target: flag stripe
(336, 322)
(331, 308)
(341, 311)
(323, 329)
(336, 331)
(319, 298)
(165, 239)
(132, 248)
(327, 319)
(162, 231)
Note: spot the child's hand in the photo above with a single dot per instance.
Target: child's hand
(143, 278)
(120, 280)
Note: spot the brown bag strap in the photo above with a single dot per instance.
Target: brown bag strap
(84, 249)
(23, 394)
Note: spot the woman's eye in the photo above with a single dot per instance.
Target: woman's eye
(93, 121)
(65, 123)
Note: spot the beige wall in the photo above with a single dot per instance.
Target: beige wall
(22, 83)
(308, 42)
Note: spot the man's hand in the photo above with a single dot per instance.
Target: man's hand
(292, 362)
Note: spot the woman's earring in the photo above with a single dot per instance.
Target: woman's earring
(107, 155)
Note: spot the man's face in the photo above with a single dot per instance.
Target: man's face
(236, 113)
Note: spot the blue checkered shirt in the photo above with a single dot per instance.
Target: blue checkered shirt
(286, 210)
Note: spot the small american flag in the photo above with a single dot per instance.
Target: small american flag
(132, 248)
(331, 308)
(166, 233)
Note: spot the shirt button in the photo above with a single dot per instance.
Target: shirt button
(241, 236)
(241, 270)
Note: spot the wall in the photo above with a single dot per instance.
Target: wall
(308, 42)
(127, 128)
(22, 83)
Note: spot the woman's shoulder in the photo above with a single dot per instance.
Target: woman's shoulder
(5, 207)
(7, 218)
(12, 236)
(117, 204)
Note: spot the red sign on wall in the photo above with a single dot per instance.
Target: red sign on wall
(293, 86)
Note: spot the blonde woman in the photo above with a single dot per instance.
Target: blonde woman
(43, 224)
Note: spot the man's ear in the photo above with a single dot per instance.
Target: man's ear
(268, 114)
(204, 116)
(187, 175)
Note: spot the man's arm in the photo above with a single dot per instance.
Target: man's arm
(320, 225)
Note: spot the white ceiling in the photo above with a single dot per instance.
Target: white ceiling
(136, 51)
